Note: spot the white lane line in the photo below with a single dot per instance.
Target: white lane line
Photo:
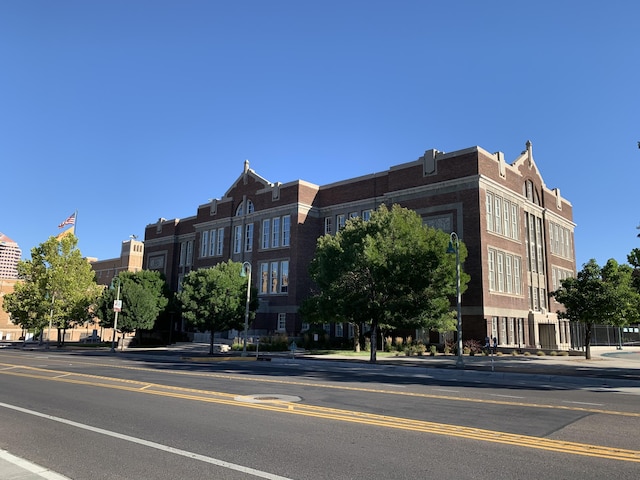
(31, 467)
(504, 396)
(147, 443)
(584, 403)
(446, 390)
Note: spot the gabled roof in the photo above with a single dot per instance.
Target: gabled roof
(243, 177)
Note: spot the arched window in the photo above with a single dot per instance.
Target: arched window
(241, 210)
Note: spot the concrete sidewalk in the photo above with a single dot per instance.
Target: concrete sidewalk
(16, 468)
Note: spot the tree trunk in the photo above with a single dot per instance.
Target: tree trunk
(211, 343)
(374, 342)
(356, 337)
(587, 341)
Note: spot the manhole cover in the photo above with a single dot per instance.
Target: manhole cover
(267, 398)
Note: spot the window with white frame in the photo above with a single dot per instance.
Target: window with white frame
(502, 216)
(304, 327)
(326, 327)
(264, 278)
(204, 243)
(282, 322)
(327, 225)
(274, 277)
(248, 237)
(339, 330)
(275, 232)
(340, 221)
(212, 242)
(366, 215)
(504, 272)
(353, 215)
(266, 232)
(237, 239)
(220, 241)
(284, 276)
(490, 211)
(286, 230)
(492, 270)
(183, 254)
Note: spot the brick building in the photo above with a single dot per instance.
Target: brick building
(518, 232)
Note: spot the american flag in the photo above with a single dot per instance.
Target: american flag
(69, 221)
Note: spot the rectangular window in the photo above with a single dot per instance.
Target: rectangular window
(266, 233)
(305, 326)
(339, 330)
(183, 254)
(327, 225)
(190, 252)
(286, 230)
(284, 276)
(489, 212)
(500, 258)
(497, 211)
(553, 250)
(275, 232)
(237, 239)
(220, 241)
(353, 215)
(516, 276)
(507, 222)
(366, 215)
(264, 278)
(561, 241)
(340, 221)
(282, 322)
(539, 245)
(248, 237)
(509, 273)
(492, 270)
(204, 243)
(514, 222)
(326, 327)
(212, 242)
(274, 278)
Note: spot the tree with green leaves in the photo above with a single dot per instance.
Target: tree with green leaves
(390, 271)
(214, 299)
(599, 296)
(59, 288)
(144, 296)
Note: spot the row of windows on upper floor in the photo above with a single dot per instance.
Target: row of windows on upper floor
(503, 218)
(341, 220)
(276, 233)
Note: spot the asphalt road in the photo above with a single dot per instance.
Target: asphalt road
(112, 417)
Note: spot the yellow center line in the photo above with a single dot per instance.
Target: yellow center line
(327, 413)
(299, 383)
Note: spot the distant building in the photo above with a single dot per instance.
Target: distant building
(519, 234)
(130, 260)
(10, 255)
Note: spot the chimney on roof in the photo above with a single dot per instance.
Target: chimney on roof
(246, 166)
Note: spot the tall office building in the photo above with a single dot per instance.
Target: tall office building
(518, 233)
(10, 255)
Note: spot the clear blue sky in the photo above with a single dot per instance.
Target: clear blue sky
(128, 111)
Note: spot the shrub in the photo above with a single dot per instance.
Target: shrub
(471, 347)
(514, 353)
(433, 350)
(526, 354)
(421, 349)
(540, 353)
(553, 353)
(564, 353)
(398, 342)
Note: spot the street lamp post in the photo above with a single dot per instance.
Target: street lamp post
(117, 306)
(454, 247)
(246, 272)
